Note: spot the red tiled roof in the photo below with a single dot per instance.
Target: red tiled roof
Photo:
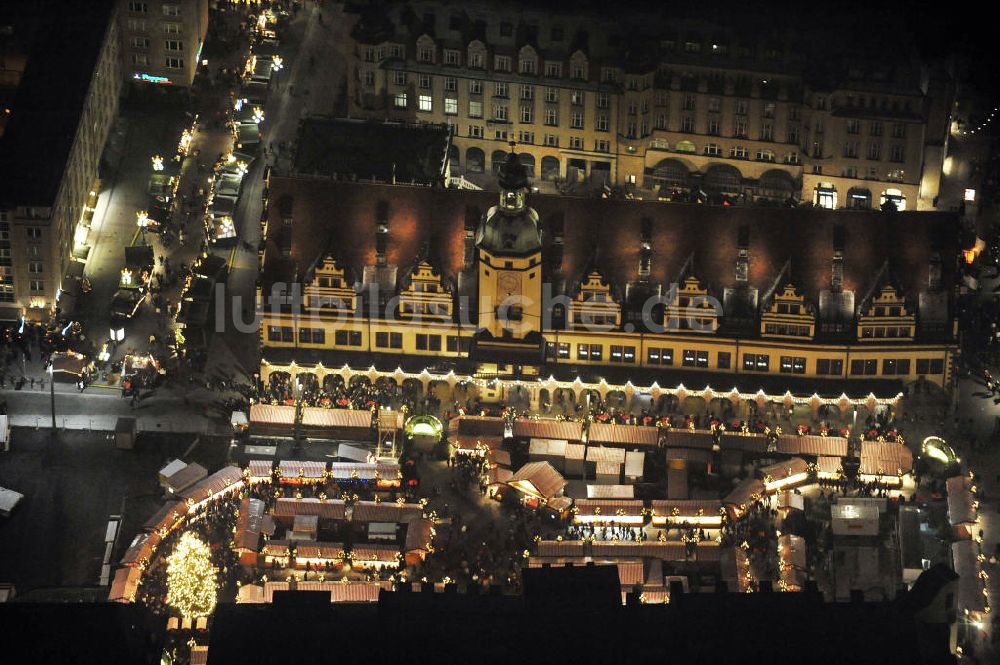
(544, 428)
(622, 435)
(323, 211)
(332, 509)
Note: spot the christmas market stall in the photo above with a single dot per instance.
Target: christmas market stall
(785, 475)
(687, 513)
(607, 512)
(622, 436)
(546, 428)
(419, 541)
(225, 481)
(962, 507)
(293, 472)
(538, 482)
(249, 529)
(125, 584)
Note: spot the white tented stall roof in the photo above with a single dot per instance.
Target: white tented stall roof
(961, 502)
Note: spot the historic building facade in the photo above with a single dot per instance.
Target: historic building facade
(63, 110)
(162, 40)
(544, 285)
(662, 110)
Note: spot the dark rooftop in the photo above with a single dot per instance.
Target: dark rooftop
(50, 99)
(451, 627)
(372, 150)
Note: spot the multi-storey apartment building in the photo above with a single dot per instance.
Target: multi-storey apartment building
(666, 109)
(377, 274)
(64, 107)
(162, 39)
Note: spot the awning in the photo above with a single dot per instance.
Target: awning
(544, 428)
(961, 501)
(539, 480)
(622, 435)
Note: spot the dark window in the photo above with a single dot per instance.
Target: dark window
(830, 367)
(273, 334)
(895, 367)
(563, 349)
(724, 359)
(864, 367)
(421, 342)
(583, 352)
(381, 339)
(452, 344)
(616, 354)
(434, 342)
(355, 338)
(396, 340)
(287, 334)
(629, 354)
(596, 351)
(653, 356)
(340, 338)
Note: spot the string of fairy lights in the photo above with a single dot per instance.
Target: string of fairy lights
(984, 124)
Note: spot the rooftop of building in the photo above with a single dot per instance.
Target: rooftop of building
(365, 150)
(46, 109)
(784, 246)
(572, 615)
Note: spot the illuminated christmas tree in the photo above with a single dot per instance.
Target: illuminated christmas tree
(191, 578)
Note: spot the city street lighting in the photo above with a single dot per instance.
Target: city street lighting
(157, 163)
(277, 64)
(52, 396)
(117, 334)
(258, 115)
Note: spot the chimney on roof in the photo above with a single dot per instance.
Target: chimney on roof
(743, 255)
(381, 233)
(556, 251)
(837, 271)
(472, 217)
(285, 206)
(645, 248)
(934, 272)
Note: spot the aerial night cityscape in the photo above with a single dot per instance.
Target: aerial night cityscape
(398, 331)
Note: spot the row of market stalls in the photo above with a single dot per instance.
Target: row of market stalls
(642, 566)
(383, 474)
(172, 515)
(383, 533)
(966, 552)
(194, 320)
(317, 422)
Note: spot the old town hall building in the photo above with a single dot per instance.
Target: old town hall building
(397, 275)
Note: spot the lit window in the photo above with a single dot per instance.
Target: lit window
(425, 103)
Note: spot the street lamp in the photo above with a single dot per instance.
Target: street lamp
(157, 163)
(277, 64)
(52, 396)
(117, 335)
(258, 115)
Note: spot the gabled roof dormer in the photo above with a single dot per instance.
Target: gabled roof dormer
(425, 295)
(330, 289)
(788, 315)
(886, 316)
(692, 308)
(594, 306)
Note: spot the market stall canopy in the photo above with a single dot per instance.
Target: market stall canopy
(140, 551)
(351, 424)
(419, 534)
(744, 493)
(809, 444)
(340, 592)
(330, 509)
(560, 548)
(538, 480)
(224, 480)
(755, 443)
(125, 585)
(306, 470)
(259, 470)
(374, 553)
(690, 438)
(693, 455)
(685, 510)
(68, 362)
(318, 551)
(787, 471)
(249, 525)
(792, 551)
(167, 517)
(885, 458)
(184, 478)
(477, 426)
(546, 428)
(610, 491)
(622, 435)
(961, 501)
(965, 558)
(608, 510)
(386, 511)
